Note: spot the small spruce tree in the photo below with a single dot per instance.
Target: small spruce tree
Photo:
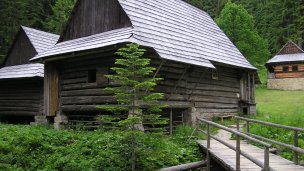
(134, 94)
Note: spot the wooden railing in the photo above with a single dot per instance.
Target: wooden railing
(264, 165)
(295, 147)
(184, 167)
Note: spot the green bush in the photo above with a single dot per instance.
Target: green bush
(42, 148)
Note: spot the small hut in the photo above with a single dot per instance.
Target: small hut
(286, 69)
(21, 83)
(204, 73)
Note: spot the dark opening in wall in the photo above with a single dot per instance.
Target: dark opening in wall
(92, 76)
(17, 119)
(285, 68)
(245, 110)
(295, 68)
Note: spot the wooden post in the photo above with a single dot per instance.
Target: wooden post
(238, 125)
(238, 153)
(296, 144)
(249, 87)
(238, 147)
(248, 130)
(266, 159)
(208, 148)
(171, 122)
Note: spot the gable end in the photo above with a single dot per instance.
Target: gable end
(290, 48)
(91, 17)
(21, 50)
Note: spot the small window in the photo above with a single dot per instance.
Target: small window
(92, 76)
(215, 75)
(285, 68)
(295, 68)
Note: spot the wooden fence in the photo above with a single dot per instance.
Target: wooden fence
(295, 147)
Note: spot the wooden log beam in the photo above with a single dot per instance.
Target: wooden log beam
(88, 100)
(183, 167)
(19, 113)
(87, 92)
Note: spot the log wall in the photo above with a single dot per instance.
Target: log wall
(185, 86)
(22, 97)
(279, 73)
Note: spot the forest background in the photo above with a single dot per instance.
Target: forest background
(275, 21)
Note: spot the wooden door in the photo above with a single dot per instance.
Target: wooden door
(51, 88)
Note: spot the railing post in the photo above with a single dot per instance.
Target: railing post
(248, 130)
(238, 153)
(296, 144)
(208, 147)
(238, 125)
(266, 159)
(171, 122)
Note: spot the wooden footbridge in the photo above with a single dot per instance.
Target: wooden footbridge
(240, 154)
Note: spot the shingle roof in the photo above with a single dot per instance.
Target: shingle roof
(22, 71)
(124, 35)
(41, 40)
(176, 30)
(298, 57)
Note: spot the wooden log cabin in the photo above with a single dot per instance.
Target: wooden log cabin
(286, 69)
(204, 73)
(21, 83)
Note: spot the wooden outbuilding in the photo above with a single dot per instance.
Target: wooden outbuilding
(204, 73)
(21, 83)
(286, 69)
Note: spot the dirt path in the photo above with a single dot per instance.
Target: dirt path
(225, 135)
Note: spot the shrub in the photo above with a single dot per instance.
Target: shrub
(42, 148)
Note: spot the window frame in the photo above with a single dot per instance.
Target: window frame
(293, 68)
(284, 69)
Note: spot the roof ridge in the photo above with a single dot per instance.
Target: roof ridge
(36, 30)
(289, 41)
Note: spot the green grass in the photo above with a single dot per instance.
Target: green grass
(281, 107)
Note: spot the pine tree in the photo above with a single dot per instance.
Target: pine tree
(134, 94)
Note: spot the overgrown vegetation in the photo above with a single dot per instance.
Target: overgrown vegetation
(282, 107)
(42, 148)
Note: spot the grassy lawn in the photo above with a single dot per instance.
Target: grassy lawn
(284, 107)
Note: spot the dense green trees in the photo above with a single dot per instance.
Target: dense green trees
(238, 25)
(60, 14)
(20, 12)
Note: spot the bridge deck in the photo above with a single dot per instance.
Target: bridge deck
(227, 157)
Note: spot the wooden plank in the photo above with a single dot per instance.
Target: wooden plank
(51, 89)
(227, 156)
(19, 113)
(86, 92)
(88, 100)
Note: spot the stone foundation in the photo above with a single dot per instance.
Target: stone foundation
(286, 84)
(190, 117)
(40, 120)
(60, 120)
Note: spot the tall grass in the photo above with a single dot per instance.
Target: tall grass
(281, 107)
